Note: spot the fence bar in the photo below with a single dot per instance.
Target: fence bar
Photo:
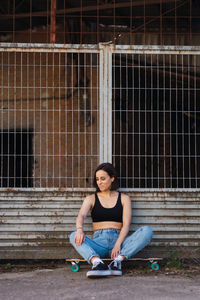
(105, 109)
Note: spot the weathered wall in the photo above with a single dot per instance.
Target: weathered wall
(37, 224)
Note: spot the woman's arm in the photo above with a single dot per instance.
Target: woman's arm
(127, 213)
(83, 212)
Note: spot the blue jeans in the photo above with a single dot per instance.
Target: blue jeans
(104, 240)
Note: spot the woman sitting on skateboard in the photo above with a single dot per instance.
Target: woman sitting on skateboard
(111, 214)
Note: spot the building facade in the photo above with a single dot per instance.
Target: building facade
(83, 83)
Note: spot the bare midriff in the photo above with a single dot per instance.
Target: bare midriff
(106, 225)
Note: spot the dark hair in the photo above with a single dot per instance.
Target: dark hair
(108, 168)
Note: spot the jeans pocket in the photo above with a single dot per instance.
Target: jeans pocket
(96, 234)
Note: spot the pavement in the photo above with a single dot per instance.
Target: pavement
(61, 283)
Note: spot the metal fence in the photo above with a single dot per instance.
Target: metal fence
(134, 22)
(48, 116)
(64, 109)
(156, 127)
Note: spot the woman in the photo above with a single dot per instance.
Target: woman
(111, 214)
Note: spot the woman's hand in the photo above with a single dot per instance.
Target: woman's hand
(79, 237)
(115, 251)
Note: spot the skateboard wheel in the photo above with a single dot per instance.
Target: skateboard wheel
(155, 266)
(75, 268)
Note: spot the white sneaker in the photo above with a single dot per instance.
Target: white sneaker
(115, 268)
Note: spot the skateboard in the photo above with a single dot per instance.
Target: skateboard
(151, 261)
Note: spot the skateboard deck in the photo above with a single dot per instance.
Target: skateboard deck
(152, 262)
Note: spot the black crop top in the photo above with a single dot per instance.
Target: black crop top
(102, 214)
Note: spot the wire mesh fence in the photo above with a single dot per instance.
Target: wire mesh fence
(156, 129)
(134, 22)
(54, 129)
(48, 118)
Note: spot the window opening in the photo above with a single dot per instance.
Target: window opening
(16, 158)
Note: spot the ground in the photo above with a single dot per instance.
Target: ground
(186, 268)
(55, 280)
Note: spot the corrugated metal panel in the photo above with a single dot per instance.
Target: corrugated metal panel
(37, 224)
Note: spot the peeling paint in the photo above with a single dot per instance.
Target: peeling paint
(44, 231)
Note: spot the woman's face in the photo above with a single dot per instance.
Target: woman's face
(103, 180)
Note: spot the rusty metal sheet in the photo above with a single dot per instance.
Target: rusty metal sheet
(38, 225)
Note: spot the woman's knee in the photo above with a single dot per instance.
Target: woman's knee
(71, 237)
(148, 231)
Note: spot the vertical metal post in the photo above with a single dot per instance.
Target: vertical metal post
(53, 21)
(105, 103)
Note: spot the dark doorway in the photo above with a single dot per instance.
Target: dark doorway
(16, 158)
